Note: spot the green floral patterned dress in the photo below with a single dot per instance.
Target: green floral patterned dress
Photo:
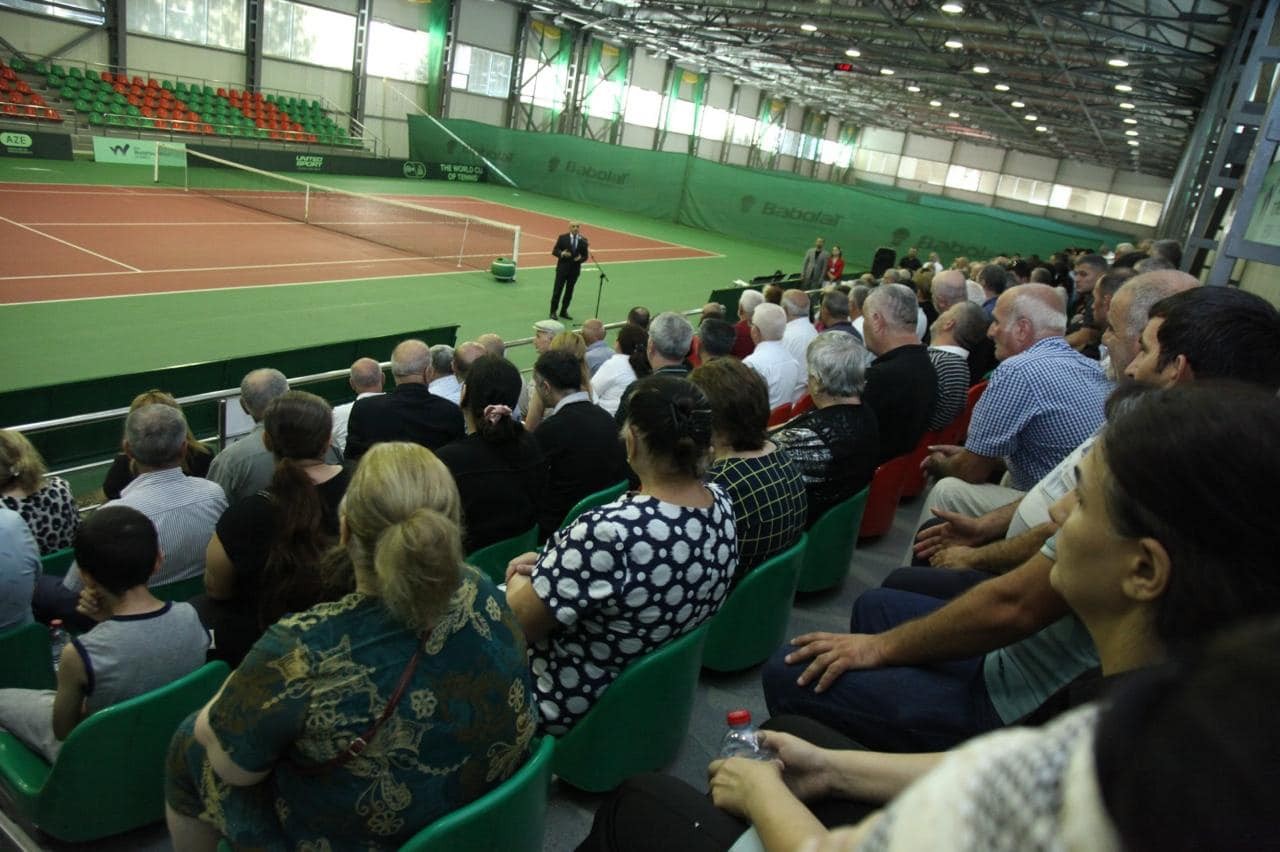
(320, 678)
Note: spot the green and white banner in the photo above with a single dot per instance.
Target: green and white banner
(137, 152)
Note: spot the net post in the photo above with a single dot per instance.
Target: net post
(515, 248)
(462, 246)
(306, 203)
(155, 164)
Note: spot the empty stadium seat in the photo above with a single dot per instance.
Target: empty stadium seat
(752, 622)
(832, 541)
(591, 501)
(25, 662)
(492, 560)
(886, 491)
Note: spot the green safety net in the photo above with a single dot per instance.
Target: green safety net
(761, 206)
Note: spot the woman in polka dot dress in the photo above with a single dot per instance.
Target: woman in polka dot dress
(628, 577)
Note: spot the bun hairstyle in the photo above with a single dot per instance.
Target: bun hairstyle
(633, 341)
(403, 518)
(673, 417)
(493, 384)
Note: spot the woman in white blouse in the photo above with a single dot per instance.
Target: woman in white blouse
(615, 375)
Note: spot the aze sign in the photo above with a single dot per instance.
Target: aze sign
(18, 141)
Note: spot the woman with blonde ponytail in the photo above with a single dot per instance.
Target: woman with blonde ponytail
(356, 723)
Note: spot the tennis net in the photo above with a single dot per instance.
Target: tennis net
(419, 231)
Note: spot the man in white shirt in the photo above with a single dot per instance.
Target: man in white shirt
(366, 380)
(799, 329)
(442, 381)
(781, 372)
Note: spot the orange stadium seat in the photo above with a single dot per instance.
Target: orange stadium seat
(886, 490)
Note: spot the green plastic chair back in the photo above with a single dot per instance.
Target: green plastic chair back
(56, 564)
(605, 495)
(75, 72)
(26, 660)
(492, 560)
(832, 540)
(179, 590)
(752, 623)
(637, 725)
(109, 776)
(509, 818)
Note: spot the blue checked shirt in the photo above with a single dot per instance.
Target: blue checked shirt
(1040, 405)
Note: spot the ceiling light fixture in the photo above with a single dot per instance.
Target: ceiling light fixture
(913, 88)
(1131, 133)
(1123, 87)
(952, 8)
(1031, 116)
(953, 43)
(1118, 62)
(809, 28)
(853, 53)
(1134, 142)
(888, 72)
(1126, 105)
(1131, 121)
(935, 103)
(1040, 128)
(953, 114)
(1001, 87)
(1017, 104)
(981, 69)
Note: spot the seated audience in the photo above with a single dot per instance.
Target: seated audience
(45, 503)
(19, 567)
(410, 412)
(836, 444)
(138, 643)
(800, 329)
(264, 559)
(670, 337)
(598, 351)
(121, 472)
(769, 500)
(442, 382)
(833, 315)
(747, 303)
(901, 382)
(580, 444)
(957, 329)
(639, 315)
(1153, 556)
(600, 595)
(366, 380)
(573, 343)
(498, 466)
(627, 364)
(782, 374)
(715, 337)
(387, 709)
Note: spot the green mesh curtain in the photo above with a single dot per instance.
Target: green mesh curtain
(435, 23)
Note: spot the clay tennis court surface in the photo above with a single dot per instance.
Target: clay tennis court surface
(67, 241)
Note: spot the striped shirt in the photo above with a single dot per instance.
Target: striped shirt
(953, 387)
(1040, 405)
(185, 510)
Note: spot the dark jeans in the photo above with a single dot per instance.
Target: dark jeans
(942, 583)
(54, 600)
(896, 708)
(654, 811)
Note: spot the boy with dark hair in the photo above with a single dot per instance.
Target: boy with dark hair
(139, 644)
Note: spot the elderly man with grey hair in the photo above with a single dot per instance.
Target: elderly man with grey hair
(1042, 401)
(366, 380)
(184, 509)
(836, 444)
(442, 381)
(747, 303)
(960, 326)
(410, 412)
(771, 359)
(245, 467)
(800, 330)
(901, 383)
(598, 350)
(670, 337)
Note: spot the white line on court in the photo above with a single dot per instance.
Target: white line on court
(69, 245)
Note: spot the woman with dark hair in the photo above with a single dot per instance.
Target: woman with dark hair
(616, 375)
(356, 723)
(769, 500)
(628, 577)
(498, 465)
(195, 463)
(1156, 551)
(835, 267)
(263, 560)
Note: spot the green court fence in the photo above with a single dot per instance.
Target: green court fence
(760, 206)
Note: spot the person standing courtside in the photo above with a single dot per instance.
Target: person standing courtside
(570, 251)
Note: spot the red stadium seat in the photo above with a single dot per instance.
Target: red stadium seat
(122, 79)
(160, 124)
(17, 98)
(222, 93)
(24, 87)
(780, 415)
(206, 129)
(153, 83)
(53, 115)
(37, 99)
(802, 405)
(886, 490)
(148, 112)
(139, 83)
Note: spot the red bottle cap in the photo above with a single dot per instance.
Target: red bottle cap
(739, 717)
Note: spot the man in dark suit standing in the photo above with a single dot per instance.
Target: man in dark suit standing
(579, 439)
(570, 251)
(410, 412)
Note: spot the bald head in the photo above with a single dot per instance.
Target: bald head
(712, 310)
(464, 356)
(410, 361)
(1024, 315)
(592, 331)
(948, 289)
(493, 344)
(366, 376)
(796, 304)
(259, 387)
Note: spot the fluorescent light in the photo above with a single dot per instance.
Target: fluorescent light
(1134, 142)
(1123, 87)
(1131, 121)
(1040, 128)
(1001, 87)
(953, 114)
(888, 72)
(952, 8)
(981, 69)
(1118, 62)
(809, 28)
(935, 103)
(913, 88)
(1126, 105)
(1131, 133)
(1031, 116)
(1017, 104)
(853, 53)
(953, 43)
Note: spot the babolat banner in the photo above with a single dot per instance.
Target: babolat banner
(760, 206)
(340, 164)
(43, 146)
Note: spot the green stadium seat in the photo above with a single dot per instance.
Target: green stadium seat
(651, 701)
(752, 622)
(181, 88)
(82, 105)
(84, 795)
(509, 817)
(832, 540)
(67, 93)
(209, 91)
(182, 589)
(53, 81)
(73, 83)
(56, 564)
(599, 498)
(17, 64)
(132, 110)
(73, 71)
(492, 560)
(117, 120)
(39, 67)
(25, 659)
(58, 70)
(166, 84)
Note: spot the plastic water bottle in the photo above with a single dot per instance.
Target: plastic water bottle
(58, 640)
(741, 739)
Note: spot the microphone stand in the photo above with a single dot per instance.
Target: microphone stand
(600, 286)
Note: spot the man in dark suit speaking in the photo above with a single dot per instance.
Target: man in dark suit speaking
(569, 252)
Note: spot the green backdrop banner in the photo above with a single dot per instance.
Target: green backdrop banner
(767, 207)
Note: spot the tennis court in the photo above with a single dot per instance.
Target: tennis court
(69, 241)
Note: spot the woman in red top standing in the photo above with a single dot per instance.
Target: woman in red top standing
(835, 266)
